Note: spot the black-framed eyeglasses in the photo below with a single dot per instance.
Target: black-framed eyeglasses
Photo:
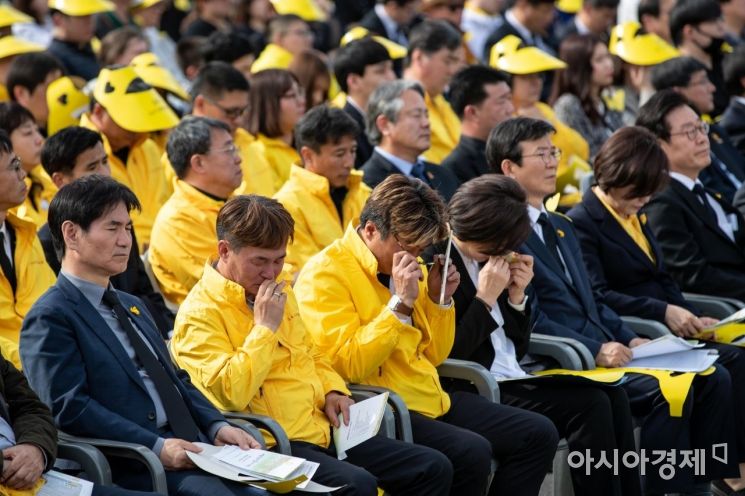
(691, 132)
(546, 155)
(230, 112)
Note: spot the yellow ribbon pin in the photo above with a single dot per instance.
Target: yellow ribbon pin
(134, 310)
(560, 233)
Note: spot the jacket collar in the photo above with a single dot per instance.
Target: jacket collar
(352, 242)
(221, 288)
(317, 184)
(195, 197)
(20, 224)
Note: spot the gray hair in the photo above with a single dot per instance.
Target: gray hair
(191, 137)
(386, 100)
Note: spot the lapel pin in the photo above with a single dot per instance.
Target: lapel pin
(134, 310)
(560, 233)
(643, 218)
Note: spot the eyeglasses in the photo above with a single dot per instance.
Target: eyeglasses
(546, 155)
(230, 150)
(230, 112)
(408, 248)
(305, 33)
(703, 128)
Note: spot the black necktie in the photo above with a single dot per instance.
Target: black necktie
(699, 191)
(179, 417)
(549, 238)
(419, 172)
(6, 264)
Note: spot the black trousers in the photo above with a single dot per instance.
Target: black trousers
(398, 467)
(707, 420)
(474, 430)
(597, 418)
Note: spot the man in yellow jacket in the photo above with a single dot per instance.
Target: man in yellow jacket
(206, 162)
(24, 270)
(239, 336)
(379, 316)
(125, 111)
(434, 57)
(325, 193)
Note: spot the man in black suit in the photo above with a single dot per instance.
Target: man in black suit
(392, 19)
(360, 67)
(688, 77)
(76, 152)
(481, 98)
(702, 236)
(398, 124)
(595, 17)
(529, 20)
(733, 119)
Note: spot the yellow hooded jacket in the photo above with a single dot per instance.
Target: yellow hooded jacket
(143, 174)
(240, 365)
(279, 155)
(272, 57)
(41, 190)
(444, 127)
(317, 224)
(184, 237)
(344, 307)
(33, 276)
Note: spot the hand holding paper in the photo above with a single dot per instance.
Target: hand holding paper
(364, 423)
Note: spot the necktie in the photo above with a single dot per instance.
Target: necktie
(418, 171)
(549, 238)
(179, 417)
(7, 265)
(698, 190)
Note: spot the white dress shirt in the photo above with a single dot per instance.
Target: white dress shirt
(727, 223)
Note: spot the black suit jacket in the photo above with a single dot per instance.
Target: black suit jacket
(468, 159)
(378, 168)
(133, 280)
(364, 148)
(725, 152)
(630, 283)
(698, 254)
(733, 121)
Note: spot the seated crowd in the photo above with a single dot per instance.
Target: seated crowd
(213, 207)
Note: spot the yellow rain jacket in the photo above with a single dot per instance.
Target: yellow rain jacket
(143, 174)
(184, 237)
(317, 224)
(272, 57)
(41, 190)
(444, 126)
(243, 366)
(279, 155)
(33, 277)
(345, 309)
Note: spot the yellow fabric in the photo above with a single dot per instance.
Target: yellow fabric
(272, 57)
(184, 237)
(160, 138)
(42, 197)
(727, 333)
(444, 127)
(6, 491)
(143, 174)
(33, 277)
(631, 225)
(241, 366)
(345, 309)
(306, 196)
(4, 97)
(339, 101)
(278, 155)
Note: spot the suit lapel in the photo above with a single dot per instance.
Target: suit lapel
(540, 250)
(694, 204)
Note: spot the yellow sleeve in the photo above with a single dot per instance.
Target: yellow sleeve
(330, 378)
(10, 351)
(442, 327)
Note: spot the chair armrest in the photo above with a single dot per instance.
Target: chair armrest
(400, 411)
(133, 451)
(588, 361)
(264, 422)
(90, 459)
(646, 328)
(251, 429)
(388, 423)
(481, 378)
(714, 306)
(556, 348)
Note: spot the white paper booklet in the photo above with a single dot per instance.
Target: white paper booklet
(364, 423)
(672, 353)
(59, 484)
(737, 317)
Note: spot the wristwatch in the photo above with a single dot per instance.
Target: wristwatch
(398, 306)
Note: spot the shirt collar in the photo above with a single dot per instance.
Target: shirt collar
(519, 27)
(534, 213)
(399, 163)
(581, 28)
(685, 180)
(92, 292)
(391, 27)
(740, 99)
(359, 109)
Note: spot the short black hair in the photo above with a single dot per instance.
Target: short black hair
(648, 7)
(354, 57)
(600, 4)
(691, 12)
(83, 201)
(228, 47)
(432, 36)
(504, 140)
(192, 136)
(216, 79)
(29, 70)
(734, 71)
(652, 115)
(61, 150)
(322, 125)
(675, 72)
(490, 210)
(14, 115)
(6, 146)
(189, 52)
(467, 86)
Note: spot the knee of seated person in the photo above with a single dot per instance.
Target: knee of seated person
(718, 384)
(541, 433)
(435, 465)
(475, 453)
(361, 482)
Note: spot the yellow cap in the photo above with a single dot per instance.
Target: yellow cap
(143, 4)
(510, 56)
(395, 50)
(10, 16)
(569, 6)
(638, 48)
(79, 8)
(67, 102)
(148, 67)
(10, 45)
(132, 103)
(308, 10)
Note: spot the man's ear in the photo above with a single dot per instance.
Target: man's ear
(223, 247)
(507, 166)
(307, 155)
(196, 164)
(70, 236)
(22, 95)
(198, 105)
